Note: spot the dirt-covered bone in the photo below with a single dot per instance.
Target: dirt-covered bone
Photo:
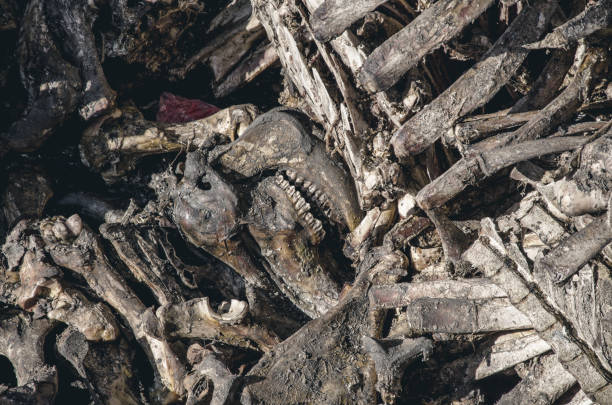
(42, 291)
(141, 251)
(391, 357)
(477, 85)
(332, 17)
(546, 382)
(278, 140)
(196, 319)
(210, 379)
(22, 341)
(596, 16)
(71, 244)
(433, 27)
(71, 25)
(26, 195)
(288, 236)
(53, 84)
(328, 348)
(114, 143)
(478, 165)
(551, 310)
(106, 370)
(206, 210)
(573, 253)
(558, 110)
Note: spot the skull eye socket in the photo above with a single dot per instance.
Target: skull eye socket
(203, 185)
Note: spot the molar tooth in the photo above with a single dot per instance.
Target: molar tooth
(291, 174)
(303, 210)
(312, 189)
(309, 218)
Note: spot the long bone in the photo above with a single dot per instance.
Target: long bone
(114, 143)
(475, 87)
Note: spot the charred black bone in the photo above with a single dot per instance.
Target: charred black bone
(53, 84)
(71, 23)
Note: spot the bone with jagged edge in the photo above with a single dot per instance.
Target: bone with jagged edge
(114, 143)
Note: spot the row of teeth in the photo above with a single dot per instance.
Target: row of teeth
(306, 219)
(311, 189)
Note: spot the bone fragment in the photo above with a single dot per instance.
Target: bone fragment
(579, 360)
(432, 28)
(209, 373)
(391, 357)
(546, 382)
(196, 319)
(477, 165)
(113, 156)
(596, 16)
(574, 252)
(475, 87)
(334, 16)
(106, 370)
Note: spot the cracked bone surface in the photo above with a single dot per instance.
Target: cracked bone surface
(71, 244)
(560, 314)
(114, 143)
(340, 372)
(278, 140)
(289, 241)
(107, 370)
(22, 343)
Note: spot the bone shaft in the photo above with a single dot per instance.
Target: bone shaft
(334, 16)
(477, 86)
(446, 315)
(481, 166)
(556, 112)
(433, 27)
(547, 83)
(544, 384)
(402, 294)
(574, 252)
(595, 17)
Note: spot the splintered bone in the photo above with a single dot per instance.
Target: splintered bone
(113, 144)
(546, 381)
(596, 16)
(432, 28)
(475, 87)
(489, 254)
(391, 357)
